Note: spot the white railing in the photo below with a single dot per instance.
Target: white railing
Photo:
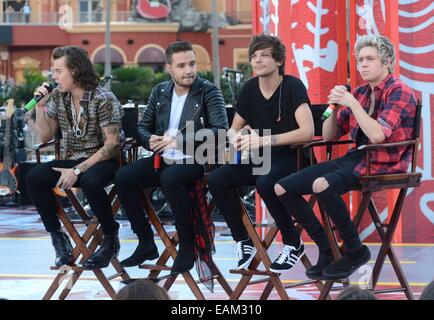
(53, 18)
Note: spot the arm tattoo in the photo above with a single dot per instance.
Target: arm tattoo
(113, 129)
(110, 150)
(110, 130)
(83, 167)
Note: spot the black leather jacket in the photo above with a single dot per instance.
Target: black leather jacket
(204, 106)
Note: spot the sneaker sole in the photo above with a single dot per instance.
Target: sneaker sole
(282, 270)
(246, 264)
(150, 258)
(316, 277)
(348, 274)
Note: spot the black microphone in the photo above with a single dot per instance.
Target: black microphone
(332, 107)
(229, 70)
(32, 103)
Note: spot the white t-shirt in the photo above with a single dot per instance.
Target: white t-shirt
(175, 116)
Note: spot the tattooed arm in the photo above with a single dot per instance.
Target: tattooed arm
(110, 149)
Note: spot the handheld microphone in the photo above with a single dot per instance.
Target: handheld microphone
(229, 70)
(32, 103)
(332, 107)
(157, 162)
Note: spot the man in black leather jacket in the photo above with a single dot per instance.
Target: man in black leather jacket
(176, 110)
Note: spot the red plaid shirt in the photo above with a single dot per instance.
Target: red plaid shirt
(395, 109)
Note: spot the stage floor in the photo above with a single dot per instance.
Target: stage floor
(26, 255)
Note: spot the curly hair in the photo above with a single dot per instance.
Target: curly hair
(278, 49)
(77, 60)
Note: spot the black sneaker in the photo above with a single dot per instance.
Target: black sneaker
(346, 266)
(287, 258)
(315, 272)
(245, 252)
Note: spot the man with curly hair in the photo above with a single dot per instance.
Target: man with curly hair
(89, 118)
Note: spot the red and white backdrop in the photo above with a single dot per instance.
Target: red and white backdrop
(316, 33)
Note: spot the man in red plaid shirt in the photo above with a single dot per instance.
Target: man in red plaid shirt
(382, 110)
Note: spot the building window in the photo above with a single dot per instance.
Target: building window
(90, 11)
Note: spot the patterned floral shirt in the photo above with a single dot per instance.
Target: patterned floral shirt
(100, 108)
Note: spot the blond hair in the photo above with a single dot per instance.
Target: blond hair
(385, 48)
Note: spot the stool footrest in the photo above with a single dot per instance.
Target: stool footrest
(116, 275)
(263, 225)
(389, 290)
(253, 272)
(85, 222)
(68, 268)
(155, 267)
(214, 277)
(258, 281)
(299, 284)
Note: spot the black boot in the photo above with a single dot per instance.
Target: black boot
(63, 248)
(108, 250)
(146, 250)
(324, 260)
(184, 261)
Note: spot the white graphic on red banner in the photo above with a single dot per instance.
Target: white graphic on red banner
(314, 46)
(269, 18)
(416, 51)
(324, 58)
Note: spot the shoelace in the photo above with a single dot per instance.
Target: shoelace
(284, 255)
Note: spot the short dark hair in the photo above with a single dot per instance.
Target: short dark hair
(428, 292)
(77, 60)
(175, 47)
(278, 49)
(142, 289)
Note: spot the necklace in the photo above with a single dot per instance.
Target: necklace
(280, 101)
(78, 133)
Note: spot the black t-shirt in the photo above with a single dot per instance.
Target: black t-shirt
(261, 113)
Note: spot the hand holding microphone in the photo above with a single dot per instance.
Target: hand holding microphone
(336, 93)
(157, 161)
(243, 144)
(159, 144)
(40, 93)
(153, 143)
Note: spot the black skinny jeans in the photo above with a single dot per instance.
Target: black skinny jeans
(224, 180)
(176, 181)
(42, 179)
(339, 175)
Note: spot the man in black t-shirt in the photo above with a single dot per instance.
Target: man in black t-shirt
(279, 104)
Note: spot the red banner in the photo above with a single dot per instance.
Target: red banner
(315, 35)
